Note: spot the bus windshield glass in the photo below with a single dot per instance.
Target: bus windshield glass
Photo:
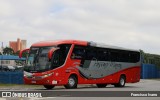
(38, 60)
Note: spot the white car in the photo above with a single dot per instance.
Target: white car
(11, 68)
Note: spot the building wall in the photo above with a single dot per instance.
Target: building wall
(23, 44)
(7, 63)
(13, 45)
(18, 45)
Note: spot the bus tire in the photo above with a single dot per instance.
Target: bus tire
(72, 82)
(122, 81)
(49, 87)
(101, 85)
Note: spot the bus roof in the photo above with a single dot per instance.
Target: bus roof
(57, 42)
(102, 45)
(78, 42)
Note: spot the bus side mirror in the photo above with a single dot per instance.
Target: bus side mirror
(22, 51)
(50, 53)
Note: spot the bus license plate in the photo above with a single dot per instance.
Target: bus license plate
(33, 82)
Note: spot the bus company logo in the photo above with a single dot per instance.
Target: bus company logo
(6, 94)
(33, 77)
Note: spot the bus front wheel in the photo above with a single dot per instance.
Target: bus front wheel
(121, 82)
(72, 82)
(49, 86)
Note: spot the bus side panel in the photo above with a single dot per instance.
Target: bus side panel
(132, 76)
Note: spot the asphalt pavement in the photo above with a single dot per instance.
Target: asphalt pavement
(153, 86)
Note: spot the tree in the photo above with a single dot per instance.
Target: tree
(17, 53)
(0, 53)
(25, 54)
(8, 51)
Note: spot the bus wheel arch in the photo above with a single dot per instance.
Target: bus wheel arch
(49, 87)
(101, 85)
(72, 82)
(122, 81)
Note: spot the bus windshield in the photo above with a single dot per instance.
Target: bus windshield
(38, 60)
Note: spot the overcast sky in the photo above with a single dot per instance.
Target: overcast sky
(131, 24)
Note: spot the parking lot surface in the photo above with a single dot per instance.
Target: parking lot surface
(143, 85)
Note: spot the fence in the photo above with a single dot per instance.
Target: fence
(149, 71)
(11, 77)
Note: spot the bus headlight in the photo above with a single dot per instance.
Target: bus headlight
(27, 74)
(47, 75)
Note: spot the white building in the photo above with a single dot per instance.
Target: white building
(9, 60)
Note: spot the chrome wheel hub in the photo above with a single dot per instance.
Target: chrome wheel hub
(122, 81)
(71, 81)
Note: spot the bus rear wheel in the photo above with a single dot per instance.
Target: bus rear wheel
(49, 87)
(122, 82)
(101, 85)
(72, 82)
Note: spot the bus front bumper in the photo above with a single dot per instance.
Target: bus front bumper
(44, 81)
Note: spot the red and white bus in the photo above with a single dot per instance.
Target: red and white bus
(72, 62)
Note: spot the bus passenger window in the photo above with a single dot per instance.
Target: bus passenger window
(78, 52)
(91, 54)
(103, 55)
(134, 57)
